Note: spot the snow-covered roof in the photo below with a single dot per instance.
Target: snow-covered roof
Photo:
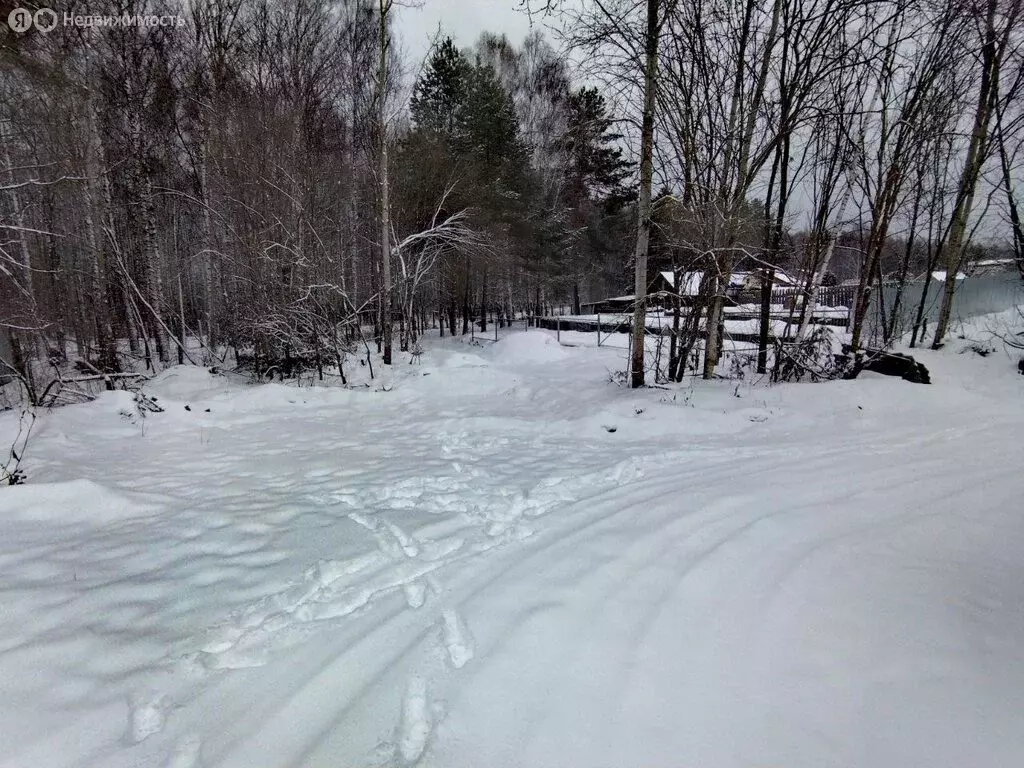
(691, 284)
(782, 277)
(692, 280)
(940, 275)
(994, 263)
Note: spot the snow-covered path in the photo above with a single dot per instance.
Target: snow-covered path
(508, 561)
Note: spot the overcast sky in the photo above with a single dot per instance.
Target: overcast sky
(463, 20)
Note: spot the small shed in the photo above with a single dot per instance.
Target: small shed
(611, 305)
(751, 280)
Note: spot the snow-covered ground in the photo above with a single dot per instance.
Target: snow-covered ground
(505, 559)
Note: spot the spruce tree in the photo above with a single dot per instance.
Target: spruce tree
(441, 92)
(489, 128)
(597, 169)
(594, 193)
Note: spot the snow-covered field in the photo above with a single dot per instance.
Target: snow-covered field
(507, 560)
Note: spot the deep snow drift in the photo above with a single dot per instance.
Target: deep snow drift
(473, 569)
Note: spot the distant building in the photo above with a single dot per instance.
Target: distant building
(662, 291)
(5, 355)
(751, 281)
(738, 281)
(985, 267)
(613, 305)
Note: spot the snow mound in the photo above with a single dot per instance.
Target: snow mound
(108, 408)
(189, 383)
(199, 389)
(463, 360)
(74, 501)
(529, 347)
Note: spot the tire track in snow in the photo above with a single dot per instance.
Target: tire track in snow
(335, 590)
(332, 589)
(620, 574)
(456, 639)
(756, 585)
(320, 700)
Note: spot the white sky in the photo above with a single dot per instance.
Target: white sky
(463, 20)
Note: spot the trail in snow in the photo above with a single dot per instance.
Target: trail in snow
(415, 727)
(471, 570)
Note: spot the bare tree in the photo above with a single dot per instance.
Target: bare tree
(997, 28)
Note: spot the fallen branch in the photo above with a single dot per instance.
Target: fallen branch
(10, 471)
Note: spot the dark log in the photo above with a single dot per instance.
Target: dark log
(889, 364)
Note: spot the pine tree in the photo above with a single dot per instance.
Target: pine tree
(441, 92)
(597, 169)
(489, 128)
(468, 109)
(595, 172)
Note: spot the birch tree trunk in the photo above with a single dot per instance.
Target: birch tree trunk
(97, 297)
(767, 283)
(712, 329)
(21, 357)
(24, 261)
(153, 284)
(208, 243)
(385, 202)
(993, 49)
(818, 274)
(644, 208)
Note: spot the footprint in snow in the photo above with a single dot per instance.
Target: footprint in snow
(187, 753)
(441, 548)
(415, 594)
(434, 583)
(408, 544)
(457, 640)
(416, 724)
(391, 540)
(146, 716)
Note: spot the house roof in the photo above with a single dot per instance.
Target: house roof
(782, 277)
(940, 275)
(692, 280)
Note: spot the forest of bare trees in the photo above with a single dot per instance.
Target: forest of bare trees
(788, 131)
(275, 183)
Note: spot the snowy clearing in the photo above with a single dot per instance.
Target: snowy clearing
(507, 560)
